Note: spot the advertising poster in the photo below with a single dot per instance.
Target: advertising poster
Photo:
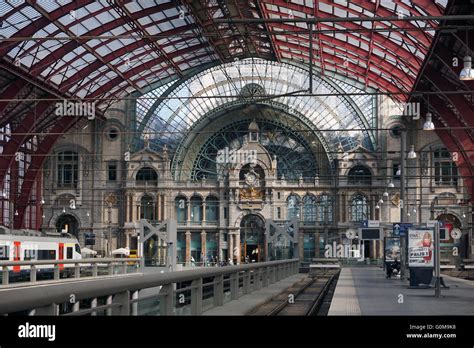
(392, 249)
(420, 248)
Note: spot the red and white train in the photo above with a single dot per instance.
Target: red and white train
(18, 245)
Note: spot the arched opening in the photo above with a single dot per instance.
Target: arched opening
(252, 238)
(196, 209)
(358, 208)
(293, 206)
(69, 224)
(359, 175)
(212, 209)
(147, 208)
(309, 208)
(180, 209)
(325, 208)
(147, 174)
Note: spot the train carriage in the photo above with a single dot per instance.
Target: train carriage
(17, 247)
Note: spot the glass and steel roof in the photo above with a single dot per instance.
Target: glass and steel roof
(168, 115)
(108, 49)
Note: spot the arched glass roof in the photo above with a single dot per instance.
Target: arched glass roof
(108, 49)
(344, 120)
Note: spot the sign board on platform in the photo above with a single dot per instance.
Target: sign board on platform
(401, 228)
(420, 248)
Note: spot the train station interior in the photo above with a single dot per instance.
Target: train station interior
(311, 137)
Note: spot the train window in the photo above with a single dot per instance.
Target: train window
(30, 254)
(77, 248)
(46, 254)
(69, 253)
(4, 252)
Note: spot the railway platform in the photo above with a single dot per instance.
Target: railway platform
(366, 291)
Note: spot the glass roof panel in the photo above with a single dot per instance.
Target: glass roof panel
(169, 120)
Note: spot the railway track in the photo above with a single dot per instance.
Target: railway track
(303, 298)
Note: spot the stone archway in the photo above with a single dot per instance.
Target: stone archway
(68, 223)
(252, 238)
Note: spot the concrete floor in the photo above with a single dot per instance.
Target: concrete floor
(366, 291)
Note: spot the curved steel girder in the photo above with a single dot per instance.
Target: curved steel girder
(394, 51)
(381, 12)
(358, 71)
(464, 168)
(61, 127)
(109, 85)
(33, 27)
(71, 45)
(18, 137)
(460, 103)
(382, 65)
(456, 140)
(81, 74)
(11, 92)
(144, 77)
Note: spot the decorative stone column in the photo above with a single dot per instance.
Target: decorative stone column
(230, 246)
(237, 245)
(203, 247)
(188, 247)
(158, 206)
(164, 206)
(188, 207)
(301, 244)
(203, 213)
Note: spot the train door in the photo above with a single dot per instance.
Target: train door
(61, 255)
(16, 255)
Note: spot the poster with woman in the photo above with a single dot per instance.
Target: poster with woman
(420, 248)
(392, 249)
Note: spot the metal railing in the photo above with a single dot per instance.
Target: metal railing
(164, 293)
(82, 268)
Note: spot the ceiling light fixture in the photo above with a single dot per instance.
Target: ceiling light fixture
(467, 74)
(429, 125)
(412, 153)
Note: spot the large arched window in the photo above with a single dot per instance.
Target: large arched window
(181, 209)
(212, 209)
(358, 208)
(68, 164)
(325, 208)
(309, 208)
(147, 208)
(147, 174)
(293, 206)
(359, 175)
(196, 209)
(445, 170)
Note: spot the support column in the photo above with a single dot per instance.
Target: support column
(188, 207)
(203, 247)
(230, 247)
(158, 205)
(203, 213)
(163, 206)
(237, 246)
(188, 248)
(134, 209)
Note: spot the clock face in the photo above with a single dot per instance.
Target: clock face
(350, 234)
(456, 233)
(251, 179)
